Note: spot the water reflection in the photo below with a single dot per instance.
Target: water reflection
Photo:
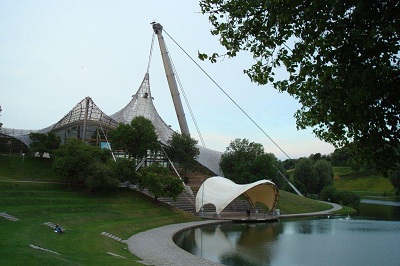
(338, 241)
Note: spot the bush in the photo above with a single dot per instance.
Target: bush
(328, 193)
(124, 170)
(157, 180)
(100, 176)
(347, 198)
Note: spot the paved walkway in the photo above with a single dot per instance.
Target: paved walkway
(156, 247)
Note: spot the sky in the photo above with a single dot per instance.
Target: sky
(54, 53)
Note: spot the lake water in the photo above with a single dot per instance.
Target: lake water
(326, 241)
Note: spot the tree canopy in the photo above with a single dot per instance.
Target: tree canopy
(44, 143)
(73, 158)
(342, 61)
(312, 177)
(245, 162)
(135, 138)
(181, 148)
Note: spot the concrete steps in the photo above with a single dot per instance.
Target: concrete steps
(187, 203)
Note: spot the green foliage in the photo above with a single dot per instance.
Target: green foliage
(305, 174)
(324, 173)
(136, 138)
(181, 148)
(341, 157)
(328, 193)
(100, 176)
(346, 198)
(394, 177)
(44, 143)
(124, 170)
(245, 162)
(342, 61)
(74, 157)
(312, 177)
(159, 182)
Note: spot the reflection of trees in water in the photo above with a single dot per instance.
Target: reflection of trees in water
(185, 240)
(229, 259)
(382, 212)
(250, 243)
(307, 227)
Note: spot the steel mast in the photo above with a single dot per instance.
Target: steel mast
(173, 87)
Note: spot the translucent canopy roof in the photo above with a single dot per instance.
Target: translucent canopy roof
(220, 191)
(142, 105)
(85, 111)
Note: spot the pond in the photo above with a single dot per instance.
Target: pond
(325, 241)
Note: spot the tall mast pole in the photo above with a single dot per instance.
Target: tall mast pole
(173, 87)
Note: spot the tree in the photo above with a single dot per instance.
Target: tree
(324, 172)
(341, 157)
(181, 148)
(44, 143)
(159, 182)
(394, 177)
(312, 176)
(100, 176)
(124, 170)
(135, 139)
(73, 158)
(342, 60)
(305, 174)
(245, 162)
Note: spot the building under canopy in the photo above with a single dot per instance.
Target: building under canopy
(220, 191)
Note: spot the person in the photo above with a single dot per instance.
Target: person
(58, 229)
(248, 213)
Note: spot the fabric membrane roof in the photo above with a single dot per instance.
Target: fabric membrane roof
(141, 104)
(220, 191)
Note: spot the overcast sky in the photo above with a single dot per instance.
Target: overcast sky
(55, 53)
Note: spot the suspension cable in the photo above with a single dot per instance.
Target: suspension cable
(230, 98)
(151, 52)
(109, 145)
(186, 99)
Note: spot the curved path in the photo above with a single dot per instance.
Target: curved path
(156, 247)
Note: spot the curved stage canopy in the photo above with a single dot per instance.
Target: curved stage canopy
(220, 191)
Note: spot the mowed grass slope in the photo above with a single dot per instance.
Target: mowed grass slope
(28, 168)
(84, 216)
(348, 180)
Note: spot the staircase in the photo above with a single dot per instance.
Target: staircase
(187, 203)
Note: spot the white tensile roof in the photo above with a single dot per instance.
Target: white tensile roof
(220, 191)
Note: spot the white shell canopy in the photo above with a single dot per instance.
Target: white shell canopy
(220, 191)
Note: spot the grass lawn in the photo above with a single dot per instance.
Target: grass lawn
(29, 168)
(84, 216)
(372, 184)
(290, 203)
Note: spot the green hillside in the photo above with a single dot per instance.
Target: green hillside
(361, 182)
(85, 216)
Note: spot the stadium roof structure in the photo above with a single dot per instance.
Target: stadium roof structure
(220, 191)
(86, 112)
(142, 105)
